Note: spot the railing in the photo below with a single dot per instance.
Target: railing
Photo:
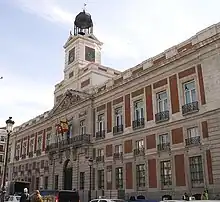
(117, 155)
(46, 168)
(118, 129)
(76, 141)
(192, 141)
(139, 123)
(162, 116)
(37, 170)
(190, 108)
(99, 159)
(163, 146)
(23, 156)
(139, 151)
(100, 135)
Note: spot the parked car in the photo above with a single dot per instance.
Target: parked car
(13, 199)
(107, 200)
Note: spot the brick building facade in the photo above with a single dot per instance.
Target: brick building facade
(152, 129)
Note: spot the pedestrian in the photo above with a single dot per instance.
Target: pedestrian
(25, 196)
(37, 197)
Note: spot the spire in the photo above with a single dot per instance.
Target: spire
(84, 7)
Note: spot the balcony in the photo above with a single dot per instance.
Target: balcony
(31, 154)
(37, 170)
(162, 116)
(99, 159)
(163, 147)
(16, 158)
(46, 168)
(23, 156)
(75, 142)
(38, 152)
(139, 152)
(193, 141)
(118, 129)
(118, 156)
(190, 108)
(139, 123)
(100, 135)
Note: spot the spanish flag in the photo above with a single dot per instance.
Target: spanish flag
(64, 125)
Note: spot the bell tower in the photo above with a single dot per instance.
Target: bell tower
(82, 47)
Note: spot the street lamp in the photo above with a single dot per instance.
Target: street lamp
(9, 129)
(90, 177)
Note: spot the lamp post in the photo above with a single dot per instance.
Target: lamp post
(90, 177)
(9, 129)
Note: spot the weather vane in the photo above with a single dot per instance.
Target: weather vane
(84, 6)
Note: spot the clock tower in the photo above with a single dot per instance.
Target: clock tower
(82, 47)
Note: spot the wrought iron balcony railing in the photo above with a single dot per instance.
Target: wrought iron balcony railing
(75, 141)
(139, 152)
(118, 129)
(100, 135)
(117, 155)
(163, 146)
(162, 116)
(192, 141)
(190, 108)
(139, 123)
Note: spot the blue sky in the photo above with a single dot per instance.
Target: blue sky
(33, 32)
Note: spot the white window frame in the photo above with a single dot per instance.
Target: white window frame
(118, 149)
(18, 149)
(48, 139)
(185, 91)
(101, 122)
(118, 116)
(138, 110)
(82, 124)
(193, 132)
(31, 146)
(24, 148)
(100, 152)
(139, 144)
(39, 143)
(164, 138)
(163, 100)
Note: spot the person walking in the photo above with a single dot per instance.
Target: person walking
(25, 196)
(37, 197)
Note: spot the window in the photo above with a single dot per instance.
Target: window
(100, 152)
(56, 182)
(82, 180)
(71, 75)
(71, 56)
(24, 150)
(39, 143)
(82, 127)
(119, 178)
(37, 182)
(93, 178)
(192, 132)
(2, 138)
(138, 110)
(31, 149)
(162, 102)
(164, 139)
(196, 170)
(18, 147)
(166, 173)
(118, 116)
(1, 148)
(1, 158)
(48, 139)
(118, 149)
(101, 122)
(46, 182)
(189, 92)
(101, 179)
(140, 144)
(140, 175)
(70, 131)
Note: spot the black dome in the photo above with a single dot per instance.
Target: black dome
(83, 20)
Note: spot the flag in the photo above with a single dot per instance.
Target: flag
(64, 125)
